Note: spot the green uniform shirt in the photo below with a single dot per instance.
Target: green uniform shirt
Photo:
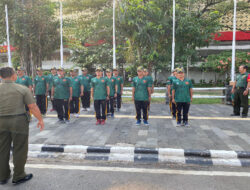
(85, 81)
(61, 86)
(150, 80)
(242, 80)
(111, 84)
(100, 88)
(141, 88)
(13, 98)
(24, 80)
(40, 85)
(50, 78)
(76, 86)
(119, 82)
(170, 82)
(182, 90)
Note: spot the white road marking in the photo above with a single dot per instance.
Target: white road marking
(205, 127)
(142, 133)
(168, 117)
(229, 133)
(139, 170)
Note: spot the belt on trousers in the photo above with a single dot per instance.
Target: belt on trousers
(242, 88)
(13, 115)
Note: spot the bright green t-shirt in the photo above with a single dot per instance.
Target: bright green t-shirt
(24, 80)
(119, 82)
(61, 86)
(242, 80)
(40, 85)
(182, 90)
(76, 86)
(141, 88)
(111, 84)
(100, 88)
(85, 81)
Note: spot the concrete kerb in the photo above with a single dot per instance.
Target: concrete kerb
(134, 154)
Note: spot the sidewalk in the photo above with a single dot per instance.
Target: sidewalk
(212, 128)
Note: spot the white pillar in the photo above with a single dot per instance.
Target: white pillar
(61, 33)
(233, 43)
(173, 43)
(114, 41)
(8, 36)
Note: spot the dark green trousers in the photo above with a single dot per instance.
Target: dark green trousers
(240, 101)
(13, 129)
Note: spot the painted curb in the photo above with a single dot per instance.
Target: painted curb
(135, 154)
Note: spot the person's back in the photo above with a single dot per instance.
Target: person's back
(14, 126)
(13, 98)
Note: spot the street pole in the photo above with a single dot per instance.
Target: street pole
(8, 36)
(233, 43)
(114, 41)
(61, 32)
(173, 43)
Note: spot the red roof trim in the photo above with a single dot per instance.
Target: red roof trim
(228, 36)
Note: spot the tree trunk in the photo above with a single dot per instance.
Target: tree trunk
(139, 55)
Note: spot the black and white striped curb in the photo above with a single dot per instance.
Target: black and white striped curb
(134, 154)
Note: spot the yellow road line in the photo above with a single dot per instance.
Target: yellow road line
(168, 117)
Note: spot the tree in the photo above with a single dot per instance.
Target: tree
(221, 63)
(33, 30)
(148, 26)
(92, 24)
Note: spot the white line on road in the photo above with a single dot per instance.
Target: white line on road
(139, 170)
(166, 117)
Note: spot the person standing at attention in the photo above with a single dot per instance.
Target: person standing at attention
(119, 82)
(100, 94)
(113, 88)
(40, 87)
(61, 92)
(182, 95)
(14, 126)
(141, 95)
(240, 92)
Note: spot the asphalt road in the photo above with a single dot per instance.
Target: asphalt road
(117, 176)
(212, 128)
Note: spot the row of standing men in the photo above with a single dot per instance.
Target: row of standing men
(66, 93)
